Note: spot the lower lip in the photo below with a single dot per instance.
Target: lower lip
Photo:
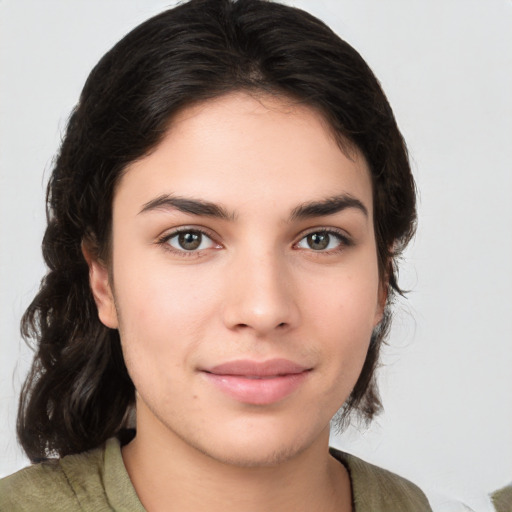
(258, 391)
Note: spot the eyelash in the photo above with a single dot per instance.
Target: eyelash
(344, 241)
(164, 241)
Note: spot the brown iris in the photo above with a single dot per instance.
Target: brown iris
(190, 240)
(318, 241)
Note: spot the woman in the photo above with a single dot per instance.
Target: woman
(225, 216)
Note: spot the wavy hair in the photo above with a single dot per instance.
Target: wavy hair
(78, 392)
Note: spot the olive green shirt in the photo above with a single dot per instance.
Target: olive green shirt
(502, 499)
(97, 481)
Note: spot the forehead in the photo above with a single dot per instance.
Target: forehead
(248, 151)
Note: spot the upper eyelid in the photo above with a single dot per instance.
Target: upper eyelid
(344, 240)
(163, 240)
(171, 232)
(324, 229)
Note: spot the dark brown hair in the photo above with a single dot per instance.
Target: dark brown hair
(78, 392)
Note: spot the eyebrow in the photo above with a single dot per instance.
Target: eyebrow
(200, 207)
(328, 206)
(188, 205)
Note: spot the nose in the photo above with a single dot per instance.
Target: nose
(260, 295)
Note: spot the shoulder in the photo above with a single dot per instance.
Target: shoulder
(59, 485)
(375, 488)
(502, 499)
(38, 487)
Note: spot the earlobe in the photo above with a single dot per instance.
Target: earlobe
(101, 290)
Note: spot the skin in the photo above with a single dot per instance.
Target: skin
(255, 289)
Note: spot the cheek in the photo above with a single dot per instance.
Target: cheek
(341, 314)
(163, 315)
(347, 301)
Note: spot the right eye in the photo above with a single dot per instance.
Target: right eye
(190, 240)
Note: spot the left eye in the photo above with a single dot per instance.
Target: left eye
(191, 240)
(321, 241)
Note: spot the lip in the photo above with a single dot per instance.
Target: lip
(257, 383)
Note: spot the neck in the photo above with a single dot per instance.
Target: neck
(169, 474)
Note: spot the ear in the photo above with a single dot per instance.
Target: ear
(101, 289)
(382, 298)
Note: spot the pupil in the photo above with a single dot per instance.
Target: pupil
(189, 241)
(318, 241)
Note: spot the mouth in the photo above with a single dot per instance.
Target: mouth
(257, 383)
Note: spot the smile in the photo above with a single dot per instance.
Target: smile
(257, 383)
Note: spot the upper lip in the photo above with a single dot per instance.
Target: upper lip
(250, 368)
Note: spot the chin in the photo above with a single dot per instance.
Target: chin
(259, 446)
(259, 438)
(253, 455)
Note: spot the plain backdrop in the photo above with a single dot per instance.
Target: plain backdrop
(446, 67)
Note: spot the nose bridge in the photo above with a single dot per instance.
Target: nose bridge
(260, 292)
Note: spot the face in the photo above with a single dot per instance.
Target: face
(244, 279)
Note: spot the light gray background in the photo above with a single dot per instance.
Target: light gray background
(446, 67)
